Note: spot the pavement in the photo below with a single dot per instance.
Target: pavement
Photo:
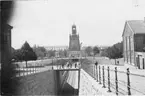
(137, 76)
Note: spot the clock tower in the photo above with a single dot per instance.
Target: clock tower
(74, 43)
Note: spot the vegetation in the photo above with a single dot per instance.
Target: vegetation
(113, 52)
(92, 51)
(96, 50)
(40, 51)
(51, 53)
(26, 53)
(89, 51)
(63, 53)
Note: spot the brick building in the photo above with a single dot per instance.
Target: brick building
(134, 43)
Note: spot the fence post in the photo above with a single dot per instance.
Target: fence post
(99, 76)
(103, 77)
(97, 72)
(116, 80)
(19, 71)
(30, 70)
(23, 70)
(93, 71)
(26, 71)
(109, 80)
(128, 82)
(34, 67)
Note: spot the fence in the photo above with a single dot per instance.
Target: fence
(24, 71)
(119, 82)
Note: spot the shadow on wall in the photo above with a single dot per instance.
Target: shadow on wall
(7, 68)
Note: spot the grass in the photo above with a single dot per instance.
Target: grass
(60, 62)
(36, 84)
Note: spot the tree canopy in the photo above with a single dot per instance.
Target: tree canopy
(96, 50)
(115, 51)
(51, 53)
(40, 51)
(89, 50)
(26, 53)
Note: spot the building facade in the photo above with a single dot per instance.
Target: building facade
(134, 43)
(6, 45)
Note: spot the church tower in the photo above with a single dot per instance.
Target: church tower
(74, 43)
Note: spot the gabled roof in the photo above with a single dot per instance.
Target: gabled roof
(137, 26)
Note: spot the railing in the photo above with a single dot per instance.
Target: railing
(66, 66)
(120, 82)
(25, 71)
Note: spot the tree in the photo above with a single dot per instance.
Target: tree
(27, 53)
(51, 53)
(96, 50)
(62, 53)
(65, 53)
(17, 55)
(115, 51)
(89, 50)
(40, 51)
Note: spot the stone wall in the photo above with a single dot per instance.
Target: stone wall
(89, 86)
(60, 79)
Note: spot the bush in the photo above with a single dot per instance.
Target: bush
(113, 52)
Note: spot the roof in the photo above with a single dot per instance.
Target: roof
(137, 26)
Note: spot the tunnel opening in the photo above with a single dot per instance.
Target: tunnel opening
(67, 82)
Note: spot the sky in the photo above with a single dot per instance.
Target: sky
(49, 22)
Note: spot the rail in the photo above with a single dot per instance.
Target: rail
(119, 82)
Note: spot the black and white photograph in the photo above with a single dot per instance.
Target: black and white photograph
(72, 48)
